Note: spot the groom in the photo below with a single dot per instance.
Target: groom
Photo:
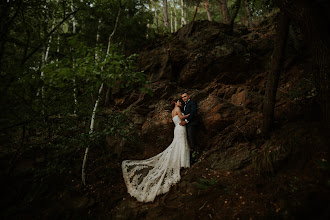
(191, 123)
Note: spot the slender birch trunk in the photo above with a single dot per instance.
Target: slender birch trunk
(74, 65)
(175, 21)
(42, 75)
(96, 57)
(58, 43)
(183, 20)
(91, 128)
(58, 48)
(206, 4)
(113, 32)
(44, 58)
(171, 21)
(49, 42)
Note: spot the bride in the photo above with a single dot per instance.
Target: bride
(145, 179)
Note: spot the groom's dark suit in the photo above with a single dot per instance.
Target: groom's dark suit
(190, 107)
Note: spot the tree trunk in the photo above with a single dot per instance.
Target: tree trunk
(44, 58)
(58, 44)
(183, 20)
(314, 20)
(73, 20)
(171, 21)
(113, 32)
(248, 13)
(206, 4)
(196, 9)
(225, 11)
(236, 7)
(156, 16)
(58, 48)
(73, 65)
(274, 74)
(175, 21)
(107, 96)
(91, 128)
(165, 17)
(97, 38)
(49, 42)
(75, 95)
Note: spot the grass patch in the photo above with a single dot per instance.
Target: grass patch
(204, 184)
(264, 160)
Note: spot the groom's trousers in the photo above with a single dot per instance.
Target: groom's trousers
(191, 135)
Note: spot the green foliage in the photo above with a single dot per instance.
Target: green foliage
(115, 124)
(67, 138)
(196, 154)
(260, 8)
(113, 69)
(293, 184)
(204, 184)
(82, 72)
(47, 105)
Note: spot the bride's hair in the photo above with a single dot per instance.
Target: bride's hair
(174, 101)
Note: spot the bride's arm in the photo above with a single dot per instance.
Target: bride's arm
(182, 117)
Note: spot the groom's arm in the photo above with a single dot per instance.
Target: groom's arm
(192, 112)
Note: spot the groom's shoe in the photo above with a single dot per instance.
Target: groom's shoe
(192, 161)
(194, 155)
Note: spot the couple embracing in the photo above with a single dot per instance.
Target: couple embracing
(145, 179)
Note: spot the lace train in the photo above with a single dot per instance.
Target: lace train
(145, 179)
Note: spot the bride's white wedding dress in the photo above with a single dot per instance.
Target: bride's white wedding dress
(145, 179)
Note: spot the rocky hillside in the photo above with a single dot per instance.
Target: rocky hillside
(239, 173)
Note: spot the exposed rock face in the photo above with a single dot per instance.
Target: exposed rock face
(209, 62)
(217, 114)
(231, 159)
(197, 53)
(220, 72)
(158, 129)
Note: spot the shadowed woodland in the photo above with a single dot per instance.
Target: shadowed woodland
(86, 84)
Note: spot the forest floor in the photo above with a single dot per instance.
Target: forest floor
(300, 190)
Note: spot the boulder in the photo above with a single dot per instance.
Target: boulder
(217, 113)
(157, 130)
(239, 97)
(233, 158)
